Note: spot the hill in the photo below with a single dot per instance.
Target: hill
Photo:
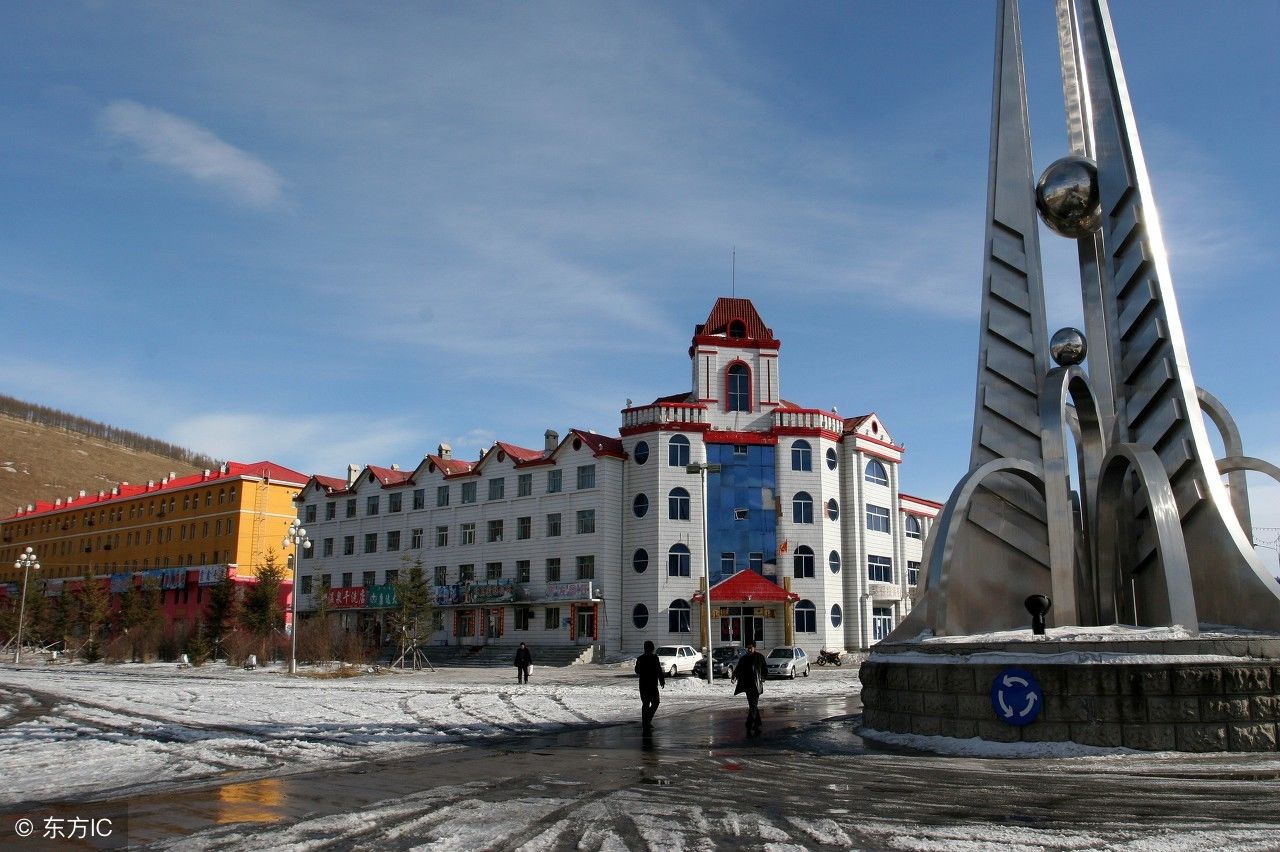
(42, 461)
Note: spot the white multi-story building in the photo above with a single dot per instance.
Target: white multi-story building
(599, 540)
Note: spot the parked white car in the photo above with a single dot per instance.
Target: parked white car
(787, 661)
(678, 659)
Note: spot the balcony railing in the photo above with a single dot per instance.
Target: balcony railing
(664, 412)
(808, 418)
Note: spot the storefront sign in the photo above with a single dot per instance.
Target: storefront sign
(383, 597)
(173, 578)
(489, 591)
(211, 575)
(350, 597)
(120, 582)
(579, 591)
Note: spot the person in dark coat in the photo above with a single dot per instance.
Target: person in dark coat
(749, 674)
(649, 671)
(524, 660)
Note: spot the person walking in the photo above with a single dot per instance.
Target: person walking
(524, 659)
(649, 671)
(749, 674)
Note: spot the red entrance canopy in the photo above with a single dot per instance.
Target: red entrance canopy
(748, 587)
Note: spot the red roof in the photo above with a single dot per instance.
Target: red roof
(726, 310)
(234, 470)
(451, 467)
(518, 454)
(388, 476)
(601, 445)
(748, 586)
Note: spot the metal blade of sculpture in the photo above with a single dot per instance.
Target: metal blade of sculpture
(1150, 536)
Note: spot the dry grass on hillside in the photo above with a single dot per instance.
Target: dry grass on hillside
(43, 462)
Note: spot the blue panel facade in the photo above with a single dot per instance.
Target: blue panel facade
(747, 481)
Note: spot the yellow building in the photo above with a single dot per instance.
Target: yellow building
(210, 523)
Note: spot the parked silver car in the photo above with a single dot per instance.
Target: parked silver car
(787, 661)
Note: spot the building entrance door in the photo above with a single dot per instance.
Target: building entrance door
(741, 626)
(586, 624)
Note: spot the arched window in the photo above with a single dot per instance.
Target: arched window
(806, 617)
(831, 458)
(801, 456)
(913, 526)
(678, 451)
(876, 473)
(678, 561)
(737, 329)
(640, 560)
(739, 387)
(802, 508)
(837, 615)
(641, 452)
(678, 505)
(833, 509)
(834, 561)
(802, 562)
(640, 616)
(640, 505)
(678, 616)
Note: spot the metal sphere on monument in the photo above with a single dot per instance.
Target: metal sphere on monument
(1068, 347)
(1067, 197)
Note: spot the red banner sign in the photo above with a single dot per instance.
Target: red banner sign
(351, 597)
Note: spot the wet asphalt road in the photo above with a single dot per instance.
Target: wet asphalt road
(700, 782)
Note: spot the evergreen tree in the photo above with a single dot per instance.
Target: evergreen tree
(64, 618)
(94, 612)
(198, 648)
(220, 613)
(262, 613)
(415, 604)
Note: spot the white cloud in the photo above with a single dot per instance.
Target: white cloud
(191, 150)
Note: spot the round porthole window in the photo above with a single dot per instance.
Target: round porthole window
(837, 615)
(831, 458)
(640, 505)
(640, 616)
(833, 509)
(834, 561)
(640, 560)
(641, 452)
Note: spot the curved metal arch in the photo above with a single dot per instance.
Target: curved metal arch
(1073, 580)
(949, 522)
(1237, 485)
(1166, 597)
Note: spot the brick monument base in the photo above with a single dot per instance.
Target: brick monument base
(1192, 695)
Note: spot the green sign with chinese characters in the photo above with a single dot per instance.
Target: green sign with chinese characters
(382, 597)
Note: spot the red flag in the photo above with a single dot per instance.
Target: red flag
(782, 548)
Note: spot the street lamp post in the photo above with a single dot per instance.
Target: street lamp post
(295, 537)
(702, 469)
(28, 562)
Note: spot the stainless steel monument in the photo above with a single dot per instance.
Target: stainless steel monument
(1149, 534)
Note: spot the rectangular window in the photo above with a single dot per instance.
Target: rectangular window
(370, 542)
(348, 545)
(755, 561)
(351, 507)
(522, 571)
(392, 576)
(419, 498)
(524, 617)
(881, 622)
(368, 579)
(554, 481)
(880, 569)
(346, 579)
(495, 530)
(307, 553)
(493, 570)
(330, 510)
(524, 528)
(306, 585)
(442, 536)
(586, 567)
(586, 476)
(913, 573)
(739, 450)
(441, 573)
(741, 514)
(415, 538)
(467, 532)
(553, 570)
(328, 547)
(678, 619)
(497, 488)
(524, 485)
(466, 573)
(394, 501)
(309, 514)
(371, 505)
(728, 562)
(442, 495)
(586, 521)
(552, 618)
(877, 518)
(393, 539)
(553, 524)
(468, 492)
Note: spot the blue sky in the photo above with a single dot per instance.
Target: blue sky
(331, 233)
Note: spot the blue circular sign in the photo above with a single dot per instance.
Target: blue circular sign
(1016, 697)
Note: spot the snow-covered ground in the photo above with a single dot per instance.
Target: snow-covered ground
(92, 731)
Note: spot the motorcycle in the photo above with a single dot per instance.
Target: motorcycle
(834, 658)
